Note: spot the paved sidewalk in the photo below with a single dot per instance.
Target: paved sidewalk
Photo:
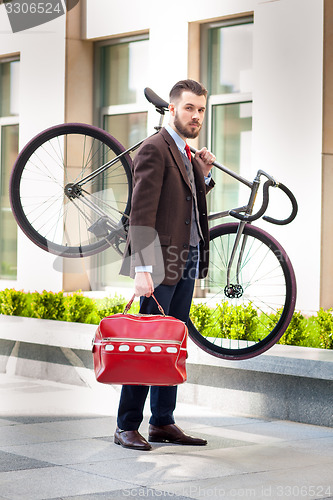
(56, 442)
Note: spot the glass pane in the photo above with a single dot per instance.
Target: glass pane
(231, 59)
(9, 90)
(231, 143)
(8, 227)
(123, 78)
(128, 129)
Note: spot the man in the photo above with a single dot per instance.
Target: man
(169, 200)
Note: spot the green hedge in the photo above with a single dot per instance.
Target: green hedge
(316, 331)
(73, 307)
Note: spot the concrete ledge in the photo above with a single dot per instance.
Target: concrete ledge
(287, 383)
(46, 349)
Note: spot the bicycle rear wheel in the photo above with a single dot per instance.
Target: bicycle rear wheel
(55, 208)
(247, 317)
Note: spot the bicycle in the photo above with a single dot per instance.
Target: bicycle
(70, 192)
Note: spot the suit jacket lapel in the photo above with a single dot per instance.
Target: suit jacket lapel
(177, 156)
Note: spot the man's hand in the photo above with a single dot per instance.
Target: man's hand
(143, 284)
(205, 159)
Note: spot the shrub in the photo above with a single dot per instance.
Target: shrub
(114, 305)
(48, 305)
(202, 318)
(324, 320)
(78, 308)
(296, 331)
(13, 302)
(312, 333)
(238, 322)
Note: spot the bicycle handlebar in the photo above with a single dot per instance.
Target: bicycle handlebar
(263, 208)
(293, 212)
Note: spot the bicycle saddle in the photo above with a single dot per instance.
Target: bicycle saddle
(160, 104)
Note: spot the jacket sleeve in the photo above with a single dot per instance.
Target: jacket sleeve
(148, 173)
(210, 185)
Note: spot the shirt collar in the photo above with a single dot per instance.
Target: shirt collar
(180, 143)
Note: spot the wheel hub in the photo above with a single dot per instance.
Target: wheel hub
(72, 191)
(233, 291)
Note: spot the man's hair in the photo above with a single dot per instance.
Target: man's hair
(189, 86)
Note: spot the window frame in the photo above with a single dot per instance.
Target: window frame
(98, 279)
(4, 122)
(205, 65)
(120, 109)
(223, 99)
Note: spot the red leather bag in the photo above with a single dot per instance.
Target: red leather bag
(135, 349)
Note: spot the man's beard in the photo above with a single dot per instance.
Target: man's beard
(184, 131)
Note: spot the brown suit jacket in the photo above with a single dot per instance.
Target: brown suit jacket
(162, 206)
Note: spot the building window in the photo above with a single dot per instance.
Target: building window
(122, 105)
(9, 131)
(122, 110)
(227, 71)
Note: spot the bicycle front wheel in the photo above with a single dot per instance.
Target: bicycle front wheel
(60, 200)
(243, 316)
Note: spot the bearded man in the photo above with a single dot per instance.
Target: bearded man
(169, 201)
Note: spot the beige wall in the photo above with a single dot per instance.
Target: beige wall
(41, 97)
(78, 108)
(326, 288)
(289, 98)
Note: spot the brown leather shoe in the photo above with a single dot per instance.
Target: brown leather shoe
(172, 434)
(131, 439)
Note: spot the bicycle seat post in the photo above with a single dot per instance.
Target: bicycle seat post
(160, 125)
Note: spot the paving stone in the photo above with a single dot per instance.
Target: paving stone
(53, 482)
(12, 462)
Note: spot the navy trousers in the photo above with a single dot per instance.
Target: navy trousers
(176, 301)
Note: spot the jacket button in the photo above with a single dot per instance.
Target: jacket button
(187, 221)
(188, 198)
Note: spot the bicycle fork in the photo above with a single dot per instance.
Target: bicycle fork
(235, 290)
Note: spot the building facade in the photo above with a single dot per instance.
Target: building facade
(267, 66)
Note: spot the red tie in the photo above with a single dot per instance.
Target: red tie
(188, 152)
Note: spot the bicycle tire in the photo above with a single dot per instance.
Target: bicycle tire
(254, 316)
(86, 222)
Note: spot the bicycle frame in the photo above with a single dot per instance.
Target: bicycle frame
(248, 217)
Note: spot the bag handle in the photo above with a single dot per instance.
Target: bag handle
(128, 306)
